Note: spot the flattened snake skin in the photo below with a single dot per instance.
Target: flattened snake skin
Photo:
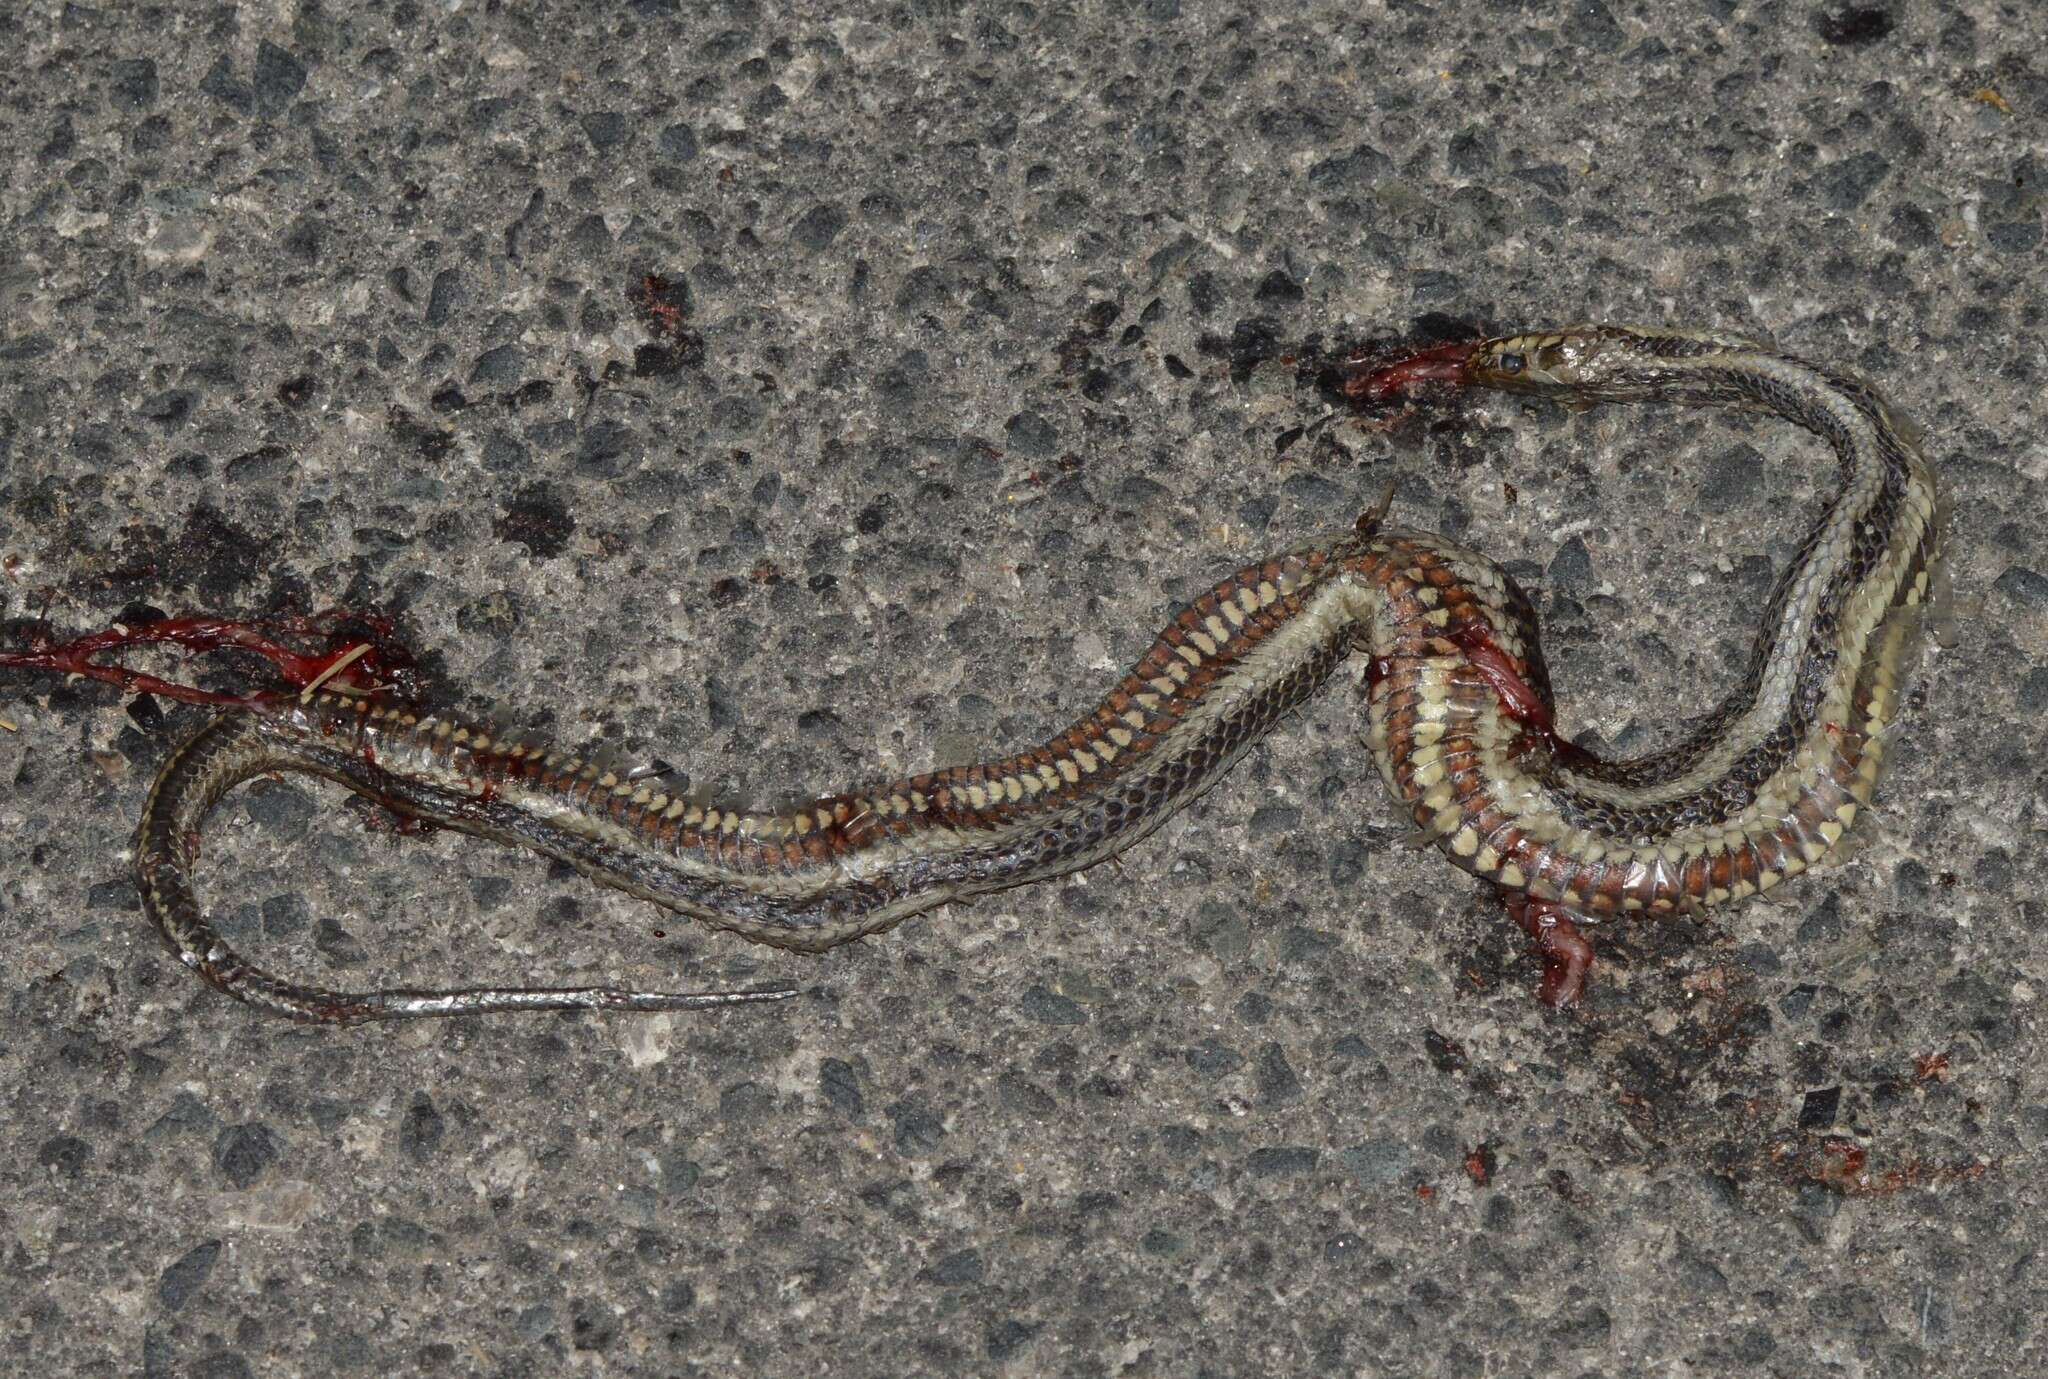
(1458, 720)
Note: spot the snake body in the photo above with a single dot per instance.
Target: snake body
(1458, 710)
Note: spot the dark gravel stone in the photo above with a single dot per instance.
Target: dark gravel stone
(242, 1152)
(537, 518)
(133, 84)
(678, 143)
(1846, 185)
(1818, 1108)
(1162, 1243)
(1912, 226)
(1299, 945)
(2014, 236)
(170, 408)
(1853, 26)
(592, 1328)
(279, 79)
(421, 1131)
(748, 1103)
(185, 1276)
(221, 1364)
(119, 894)
(1024, 1096)
(1377, 1162)
(1590, 24)
(1276, 1079)
(1282, 1161)
(1031, 435)
(1592, 1326)
(221, 83)
(506, 364)
(285, 809)
(1279, 287)
(606, 129)
(338, 945)
(446, 297)
(64, 1155)
(816, 228)
(186, 1115)
(591, 238)
(1050, 1008)
(918, 1130)
(285, 916)
(841, 1087)
(2023, 585)
(1731, 477)
(1004, 1339)
(956, 1270)
(1571, 569)
(608, 450)
(1213, 1059)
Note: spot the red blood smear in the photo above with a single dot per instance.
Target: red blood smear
(1443, 364)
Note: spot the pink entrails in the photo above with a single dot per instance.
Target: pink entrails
(1441, 364)
(349, 662)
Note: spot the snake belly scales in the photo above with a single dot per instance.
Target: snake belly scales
(1458, 706)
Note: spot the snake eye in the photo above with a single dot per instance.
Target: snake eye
(1509, 363)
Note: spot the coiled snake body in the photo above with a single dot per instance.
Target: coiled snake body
(1458, 713)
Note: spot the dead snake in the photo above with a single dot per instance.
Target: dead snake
(1458, 718)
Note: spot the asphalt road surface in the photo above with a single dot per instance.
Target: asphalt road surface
(803, 398)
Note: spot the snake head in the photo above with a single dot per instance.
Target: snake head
(1581, 365)
(1587, 362)
(1576, 364)
(1583, 362)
